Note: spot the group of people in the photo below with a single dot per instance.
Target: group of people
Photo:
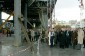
(64, 38)
(67, 37)
(33, 34)
(7, 29)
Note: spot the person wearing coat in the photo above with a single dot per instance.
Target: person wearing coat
(32, 34)
(70, 38)
(74, 38)
(62, 39)
(80, 38)
(67, 38)
(52, 37)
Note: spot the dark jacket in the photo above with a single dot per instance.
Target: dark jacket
(62, 37)
(74, 37)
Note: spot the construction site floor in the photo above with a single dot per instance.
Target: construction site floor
(40, 49)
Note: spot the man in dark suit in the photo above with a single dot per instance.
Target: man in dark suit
(62, 39)
(70, 36)
(52, 37)
(67, 38)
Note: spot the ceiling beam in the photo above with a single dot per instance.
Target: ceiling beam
(30, 2)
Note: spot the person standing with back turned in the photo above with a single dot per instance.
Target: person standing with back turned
(80, 38)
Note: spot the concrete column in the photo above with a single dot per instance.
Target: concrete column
(40, 17)
(50, 14)
(44, 19)
(25, 19)
(17, 14)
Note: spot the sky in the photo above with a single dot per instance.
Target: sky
(5, 16)
(66, 10)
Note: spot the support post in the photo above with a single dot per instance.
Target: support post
(17, 14)
(25, 19)
(50, 14)
(44, 19)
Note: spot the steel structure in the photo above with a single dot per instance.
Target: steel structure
(31, 12)
(33, 8)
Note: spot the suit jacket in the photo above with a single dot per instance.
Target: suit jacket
(62, 37)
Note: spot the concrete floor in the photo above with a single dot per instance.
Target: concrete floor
(7, 49)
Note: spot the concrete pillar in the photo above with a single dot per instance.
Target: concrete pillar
(44, 19)
(50, 14)
(25, 19)
(17, 14)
